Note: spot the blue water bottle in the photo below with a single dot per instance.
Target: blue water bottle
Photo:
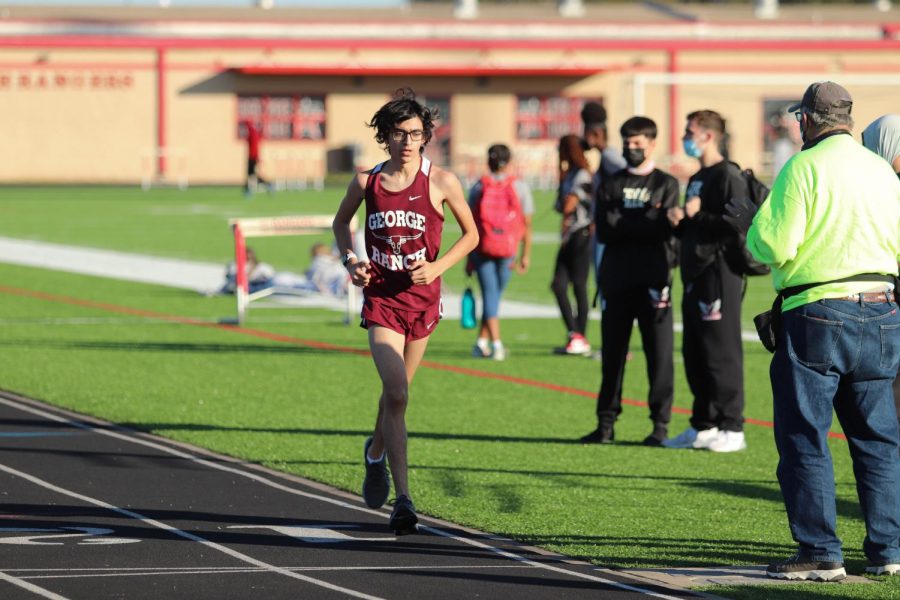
(467, 310)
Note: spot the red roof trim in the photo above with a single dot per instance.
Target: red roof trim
(444, 44)
(422, 71)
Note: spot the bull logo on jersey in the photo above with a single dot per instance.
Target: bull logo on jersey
(396, 241)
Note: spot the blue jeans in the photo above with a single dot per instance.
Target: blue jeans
(843, 355)
(493, 275)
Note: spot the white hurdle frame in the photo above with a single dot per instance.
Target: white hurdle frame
(272, 226)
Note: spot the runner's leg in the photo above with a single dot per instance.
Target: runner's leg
(387, 347)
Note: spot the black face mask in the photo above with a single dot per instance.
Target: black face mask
(634, 156)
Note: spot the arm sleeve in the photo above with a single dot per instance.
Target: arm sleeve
(607, 213)
(780, 223)
(733, 186)
(526, 198)
(583, 186)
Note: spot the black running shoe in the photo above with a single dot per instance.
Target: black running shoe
(377, 484)
(659, 435)
(801, 568)
(403, 518)
(602, 435)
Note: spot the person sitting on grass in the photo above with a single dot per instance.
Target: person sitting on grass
(260, 275)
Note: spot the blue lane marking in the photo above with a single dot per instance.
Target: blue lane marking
(22, 434)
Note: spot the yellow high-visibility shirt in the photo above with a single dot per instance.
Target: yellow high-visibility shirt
(834, 211)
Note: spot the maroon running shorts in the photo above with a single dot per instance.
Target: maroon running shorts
(413, 324)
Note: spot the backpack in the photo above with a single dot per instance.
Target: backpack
(498, 217)
(736, 254)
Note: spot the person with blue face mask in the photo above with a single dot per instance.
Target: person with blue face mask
(711, 304)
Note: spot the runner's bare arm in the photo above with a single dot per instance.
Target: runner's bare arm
(423, 272)
(359, 272)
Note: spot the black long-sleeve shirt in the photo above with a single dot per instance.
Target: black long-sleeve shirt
(630, 217)
(705, 233)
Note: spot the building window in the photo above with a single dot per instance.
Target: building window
(548, 117)
(284, 117)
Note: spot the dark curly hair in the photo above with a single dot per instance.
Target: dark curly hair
(402, 107)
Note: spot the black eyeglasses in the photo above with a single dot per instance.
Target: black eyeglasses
(416, 135)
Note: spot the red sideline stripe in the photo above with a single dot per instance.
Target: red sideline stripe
(275, 337)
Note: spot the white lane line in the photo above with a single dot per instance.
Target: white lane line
(341, 503)
(30, 587)
(189, 536)
(150, 572)
(522, 559)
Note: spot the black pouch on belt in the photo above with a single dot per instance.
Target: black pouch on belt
(768, 324)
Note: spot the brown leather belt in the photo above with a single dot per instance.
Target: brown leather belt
(873, 297)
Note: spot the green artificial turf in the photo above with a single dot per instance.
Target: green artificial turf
(484, 452)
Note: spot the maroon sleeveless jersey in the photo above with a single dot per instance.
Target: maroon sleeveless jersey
(401, 228)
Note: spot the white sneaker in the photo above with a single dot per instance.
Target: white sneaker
(578, 345)
(728, 441)
(499, 351)
(891, 569)
(479, 351)
(691, 438)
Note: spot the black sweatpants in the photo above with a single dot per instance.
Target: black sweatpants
(573, 263)
(712, 348)
(647, 305)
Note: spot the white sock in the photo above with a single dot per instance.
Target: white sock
(482, 343)
(498, 344)
(374, 460)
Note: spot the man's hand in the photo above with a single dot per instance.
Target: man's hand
(739, 213)
(360, 273)
(423, 272)
(692, 206)
(675, 215)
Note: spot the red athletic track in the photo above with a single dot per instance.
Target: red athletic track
(286, 339)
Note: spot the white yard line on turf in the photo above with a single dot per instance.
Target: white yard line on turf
(186, 274)
(123, 435)
(30, 587)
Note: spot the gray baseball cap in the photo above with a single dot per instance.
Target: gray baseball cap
(825, 97)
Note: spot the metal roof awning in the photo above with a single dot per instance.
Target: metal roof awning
(430, 70)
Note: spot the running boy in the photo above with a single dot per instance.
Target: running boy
(404, 198)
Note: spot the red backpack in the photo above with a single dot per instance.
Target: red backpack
(498, 216)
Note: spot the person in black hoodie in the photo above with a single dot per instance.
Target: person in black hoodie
(635, 279)
(711, 305)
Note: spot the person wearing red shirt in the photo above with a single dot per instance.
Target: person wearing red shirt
(405, 199)
(254, 179)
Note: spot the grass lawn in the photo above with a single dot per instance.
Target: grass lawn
(484, 452)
